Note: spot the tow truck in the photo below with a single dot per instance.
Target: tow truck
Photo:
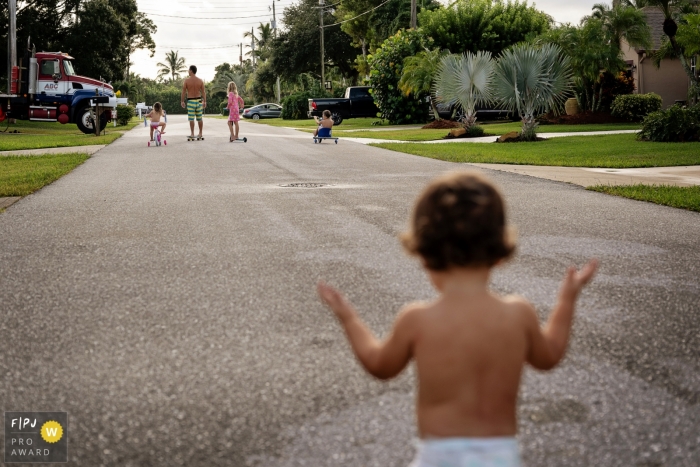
(45, 88)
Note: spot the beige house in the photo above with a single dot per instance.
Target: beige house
(669, 80)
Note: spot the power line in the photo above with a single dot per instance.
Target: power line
(194, 17)
(361, 14)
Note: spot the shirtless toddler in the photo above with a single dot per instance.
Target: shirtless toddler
(469, 344)
(155, 115)
(325, 125)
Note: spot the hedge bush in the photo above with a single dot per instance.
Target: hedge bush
(676, 124)
(169, 97)
(295, 106)
(124, 114)
(222, 108)
(386, 68)
(634, 107)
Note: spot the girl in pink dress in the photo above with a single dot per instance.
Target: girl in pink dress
(234, 104)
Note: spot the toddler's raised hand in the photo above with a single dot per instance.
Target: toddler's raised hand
(336, 301)
(575, 280)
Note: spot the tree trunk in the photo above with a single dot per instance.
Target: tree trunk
(435, 110)
(529, 131)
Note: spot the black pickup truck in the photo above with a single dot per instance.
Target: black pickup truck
(358, 102)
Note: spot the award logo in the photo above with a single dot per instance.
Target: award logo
(36, 437)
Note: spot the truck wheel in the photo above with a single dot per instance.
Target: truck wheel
(85, 122)
(337, 119)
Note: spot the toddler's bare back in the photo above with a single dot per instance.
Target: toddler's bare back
(469, 353)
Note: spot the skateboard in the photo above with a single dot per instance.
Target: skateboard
(319, 139)
(195, 138)
(245, 140)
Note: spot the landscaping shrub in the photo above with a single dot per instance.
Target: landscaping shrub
(386, 69)
(295, 106)
(475, 131)
(223, 109)
(168, 97)
(634, 107)
(124, 114)
(676, 124)
(615, 85)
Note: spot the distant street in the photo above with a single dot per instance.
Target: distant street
(165, 298)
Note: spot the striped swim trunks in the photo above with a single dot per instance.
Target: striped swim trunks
(194, 109)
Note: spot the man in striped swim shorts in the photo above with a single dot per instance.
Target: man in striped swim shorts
(193, 91)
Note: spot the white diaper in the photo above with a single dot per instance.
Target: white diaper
(467, 452)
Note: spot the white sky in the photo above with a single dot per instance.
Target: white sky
(207, 38)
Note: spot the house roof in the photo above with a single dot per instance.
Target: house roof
(655, 20)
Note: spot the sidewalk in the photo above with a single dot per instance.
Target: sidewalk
(40, 152)
(584, 176)
(487, 139)
(6, 202)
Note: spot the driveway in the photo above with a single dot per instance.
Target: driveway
(164, 298)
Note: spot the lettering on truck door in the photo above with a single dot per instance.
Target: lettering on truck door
(47, 84)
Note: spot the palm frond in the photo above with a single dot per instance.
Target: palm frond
(466, 80)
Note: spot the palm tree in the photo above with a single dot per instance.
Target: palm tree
(532, 80)
(220, 85)
(419, 72)
(670, 8)
(262, 40)
(624, 22)
(466, 80)
(638, 4)
(173, 66)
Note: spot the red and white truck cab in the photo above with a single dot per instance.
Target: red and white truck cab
(49, 90)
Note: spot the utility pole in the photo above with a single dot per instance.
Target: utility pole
(11, 43)
(322, 3)
(274, 29)
(252, 47)
(414, 19)
(240, 56)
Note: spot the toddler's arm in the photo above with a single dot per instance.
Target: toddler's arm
(383, 360)
(548, 345)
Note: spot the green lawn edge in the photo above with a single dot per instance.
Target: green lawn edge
(45, 135)
(667, 195)
(23, 175)
(605, 151)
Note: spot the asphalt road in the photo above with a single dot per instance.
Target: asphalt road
(164, 297)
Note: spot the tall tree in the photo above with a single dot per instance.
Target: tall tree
(623, 22)
(369, 30)
(174, 66)
(474, 25)
(98, 39)
(142, 39)
(673, 10)
(262, 41)
(100, 34)
(419, 74)
(297, 49)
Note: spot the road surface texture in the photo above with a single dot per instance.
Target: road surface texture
(165, 298)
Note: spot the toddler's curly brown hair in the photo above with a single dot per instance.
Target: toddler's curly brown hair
(459, 221)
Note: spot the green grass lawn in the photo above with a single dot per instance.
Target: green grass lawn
(675, 196)
(608, 151)
(400, 133)
(39, 135)
(351, 124)
(495, 129)
(22, 175)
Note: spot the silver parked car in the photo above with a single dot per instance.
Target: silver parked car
(263, 111)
